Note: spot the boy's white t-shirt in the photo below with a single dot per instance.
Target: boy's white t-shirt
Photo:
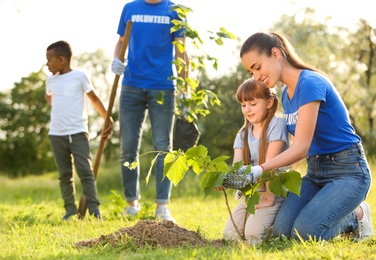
(68, 108)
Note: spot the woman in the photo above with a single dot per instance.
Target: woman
(338, 176)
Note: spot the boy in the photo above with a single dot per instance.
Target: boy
(65, 92)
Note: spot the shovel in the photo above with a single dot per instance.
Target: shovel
(82, 208)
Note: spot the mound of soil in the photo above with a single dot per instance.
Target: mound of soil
(151, 233)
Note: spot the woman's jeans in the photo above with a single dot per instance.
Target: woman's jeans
(332, 189)
(134, 102)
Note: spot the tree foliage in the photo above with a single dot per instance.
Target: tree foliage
(25, 146)
(347, 57)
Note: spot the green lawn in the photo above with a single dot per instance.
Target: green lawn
(31, 228)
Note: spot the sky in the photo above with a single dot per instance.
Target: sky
(28, 27)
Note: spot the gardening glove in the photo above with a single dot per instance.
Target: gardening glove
(118, 66)
(238, 194)
(239, 181)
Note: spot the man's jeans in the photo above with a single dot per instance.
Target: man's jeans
(134, 102)
(331, 190)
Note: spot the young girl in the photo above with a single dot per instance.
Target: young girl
(338, 176)
(262, 137)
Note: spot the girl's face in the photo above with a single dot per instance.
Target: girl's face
(255, 111)
(54, 63)
(263, 68)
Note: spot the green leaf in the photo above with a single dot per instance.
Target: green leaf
(197, 151)
(292, 180)
(220, 159)
(211, 180)
(251, 202)
(160, 97)
(151, 167)
(226, 34)
(218, 164)
(286, 181)
(275, 186)
(219, 41)
(177, 169)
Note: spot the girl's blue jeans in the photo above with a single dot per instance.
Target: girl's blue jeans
(135, 104)
(332, 189)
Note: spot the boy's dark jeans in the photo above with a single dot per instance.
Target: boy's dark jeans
(74, 150)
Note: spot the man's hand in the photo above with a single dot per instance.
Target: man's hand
(118, 66)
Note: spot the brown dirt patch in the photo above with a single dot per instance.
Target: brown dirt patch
(163, 234)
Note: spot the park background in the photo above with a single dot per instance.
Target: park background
(29, 192)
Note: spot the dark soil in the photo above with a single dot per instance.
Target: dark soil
(151, 233)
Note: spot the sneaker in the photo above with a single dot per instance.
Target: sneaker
(68, 215)
(133, 210)
(163, 212)
(365, 229)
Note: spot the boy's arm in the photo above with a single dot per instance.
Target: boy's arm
(48, 99)
(98, 105)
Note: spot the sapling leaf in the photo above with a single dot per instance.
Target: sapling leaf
(276, 186)
(170, 158)
(238, 164)
(221, 159)
(292, 180)
(176, 169)
(252, 201)
(218, 164)
(211, 180)
(196, 151)
(197, 166)
(160, 97)
(151, 167)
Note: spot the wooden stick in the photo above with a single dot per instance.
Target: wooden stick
(82, 205)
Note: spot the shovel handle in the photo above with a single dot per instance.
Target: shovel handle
(82, 204)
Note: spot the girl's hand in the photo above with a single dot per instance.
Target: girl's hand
(266, 200)
(221, 188)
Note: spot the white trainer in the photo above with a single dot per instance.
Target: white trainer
(133, 210)
(365, 229)
(162, 212)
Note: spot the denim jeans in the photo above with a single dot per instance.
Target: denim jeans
(135, 104)
(331, 190)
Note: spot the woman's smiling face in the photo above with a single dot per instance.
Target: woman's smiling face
(263, 68)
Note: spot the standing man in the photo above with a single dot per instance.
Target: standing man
(146, 76)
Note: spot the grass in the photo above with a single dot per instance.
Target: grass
(31, 228)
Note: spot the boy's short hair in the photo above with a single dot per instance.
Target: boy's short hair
(61, 48)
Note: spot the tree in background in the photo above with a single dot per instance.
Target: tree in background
(359, 80)
(347, 57)
(24, 144)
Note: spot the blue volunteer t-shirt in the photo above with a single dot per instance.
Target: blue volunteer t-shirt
(334, 131)
(150, 48)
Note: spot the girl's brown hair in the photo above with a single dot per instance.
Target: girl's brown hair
(249, 90)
